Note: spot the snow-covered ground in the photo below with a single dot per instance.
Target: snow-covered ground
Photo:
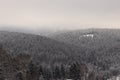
(87, 36)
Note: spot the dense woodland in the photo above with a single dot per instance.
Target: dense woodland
(102, 50)
(22, 67)
(67, 55)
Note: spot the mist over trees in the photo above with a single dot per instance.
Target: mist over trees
(69, 55)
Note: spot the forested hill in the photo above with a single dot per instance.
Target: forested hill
(73, 54)
(42, 49)
(102, 45)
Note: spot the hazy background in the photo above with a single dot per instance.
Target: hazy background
(59, 14)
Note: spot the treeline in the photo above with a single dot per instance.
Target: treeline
(22, 67)
(74, 71)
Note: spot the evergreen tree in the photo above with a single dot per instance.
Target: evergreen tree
(74, 71)
(40, 70)
(33, 71)
(63, 72)
(31, 68)
(56, 73)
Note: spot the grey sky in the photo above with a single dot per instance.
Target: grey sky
(60, 13)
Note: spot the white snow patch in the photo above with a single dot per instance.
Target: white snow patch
(88, 35)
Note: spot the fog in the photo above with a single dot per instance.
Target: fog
(59, 14)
